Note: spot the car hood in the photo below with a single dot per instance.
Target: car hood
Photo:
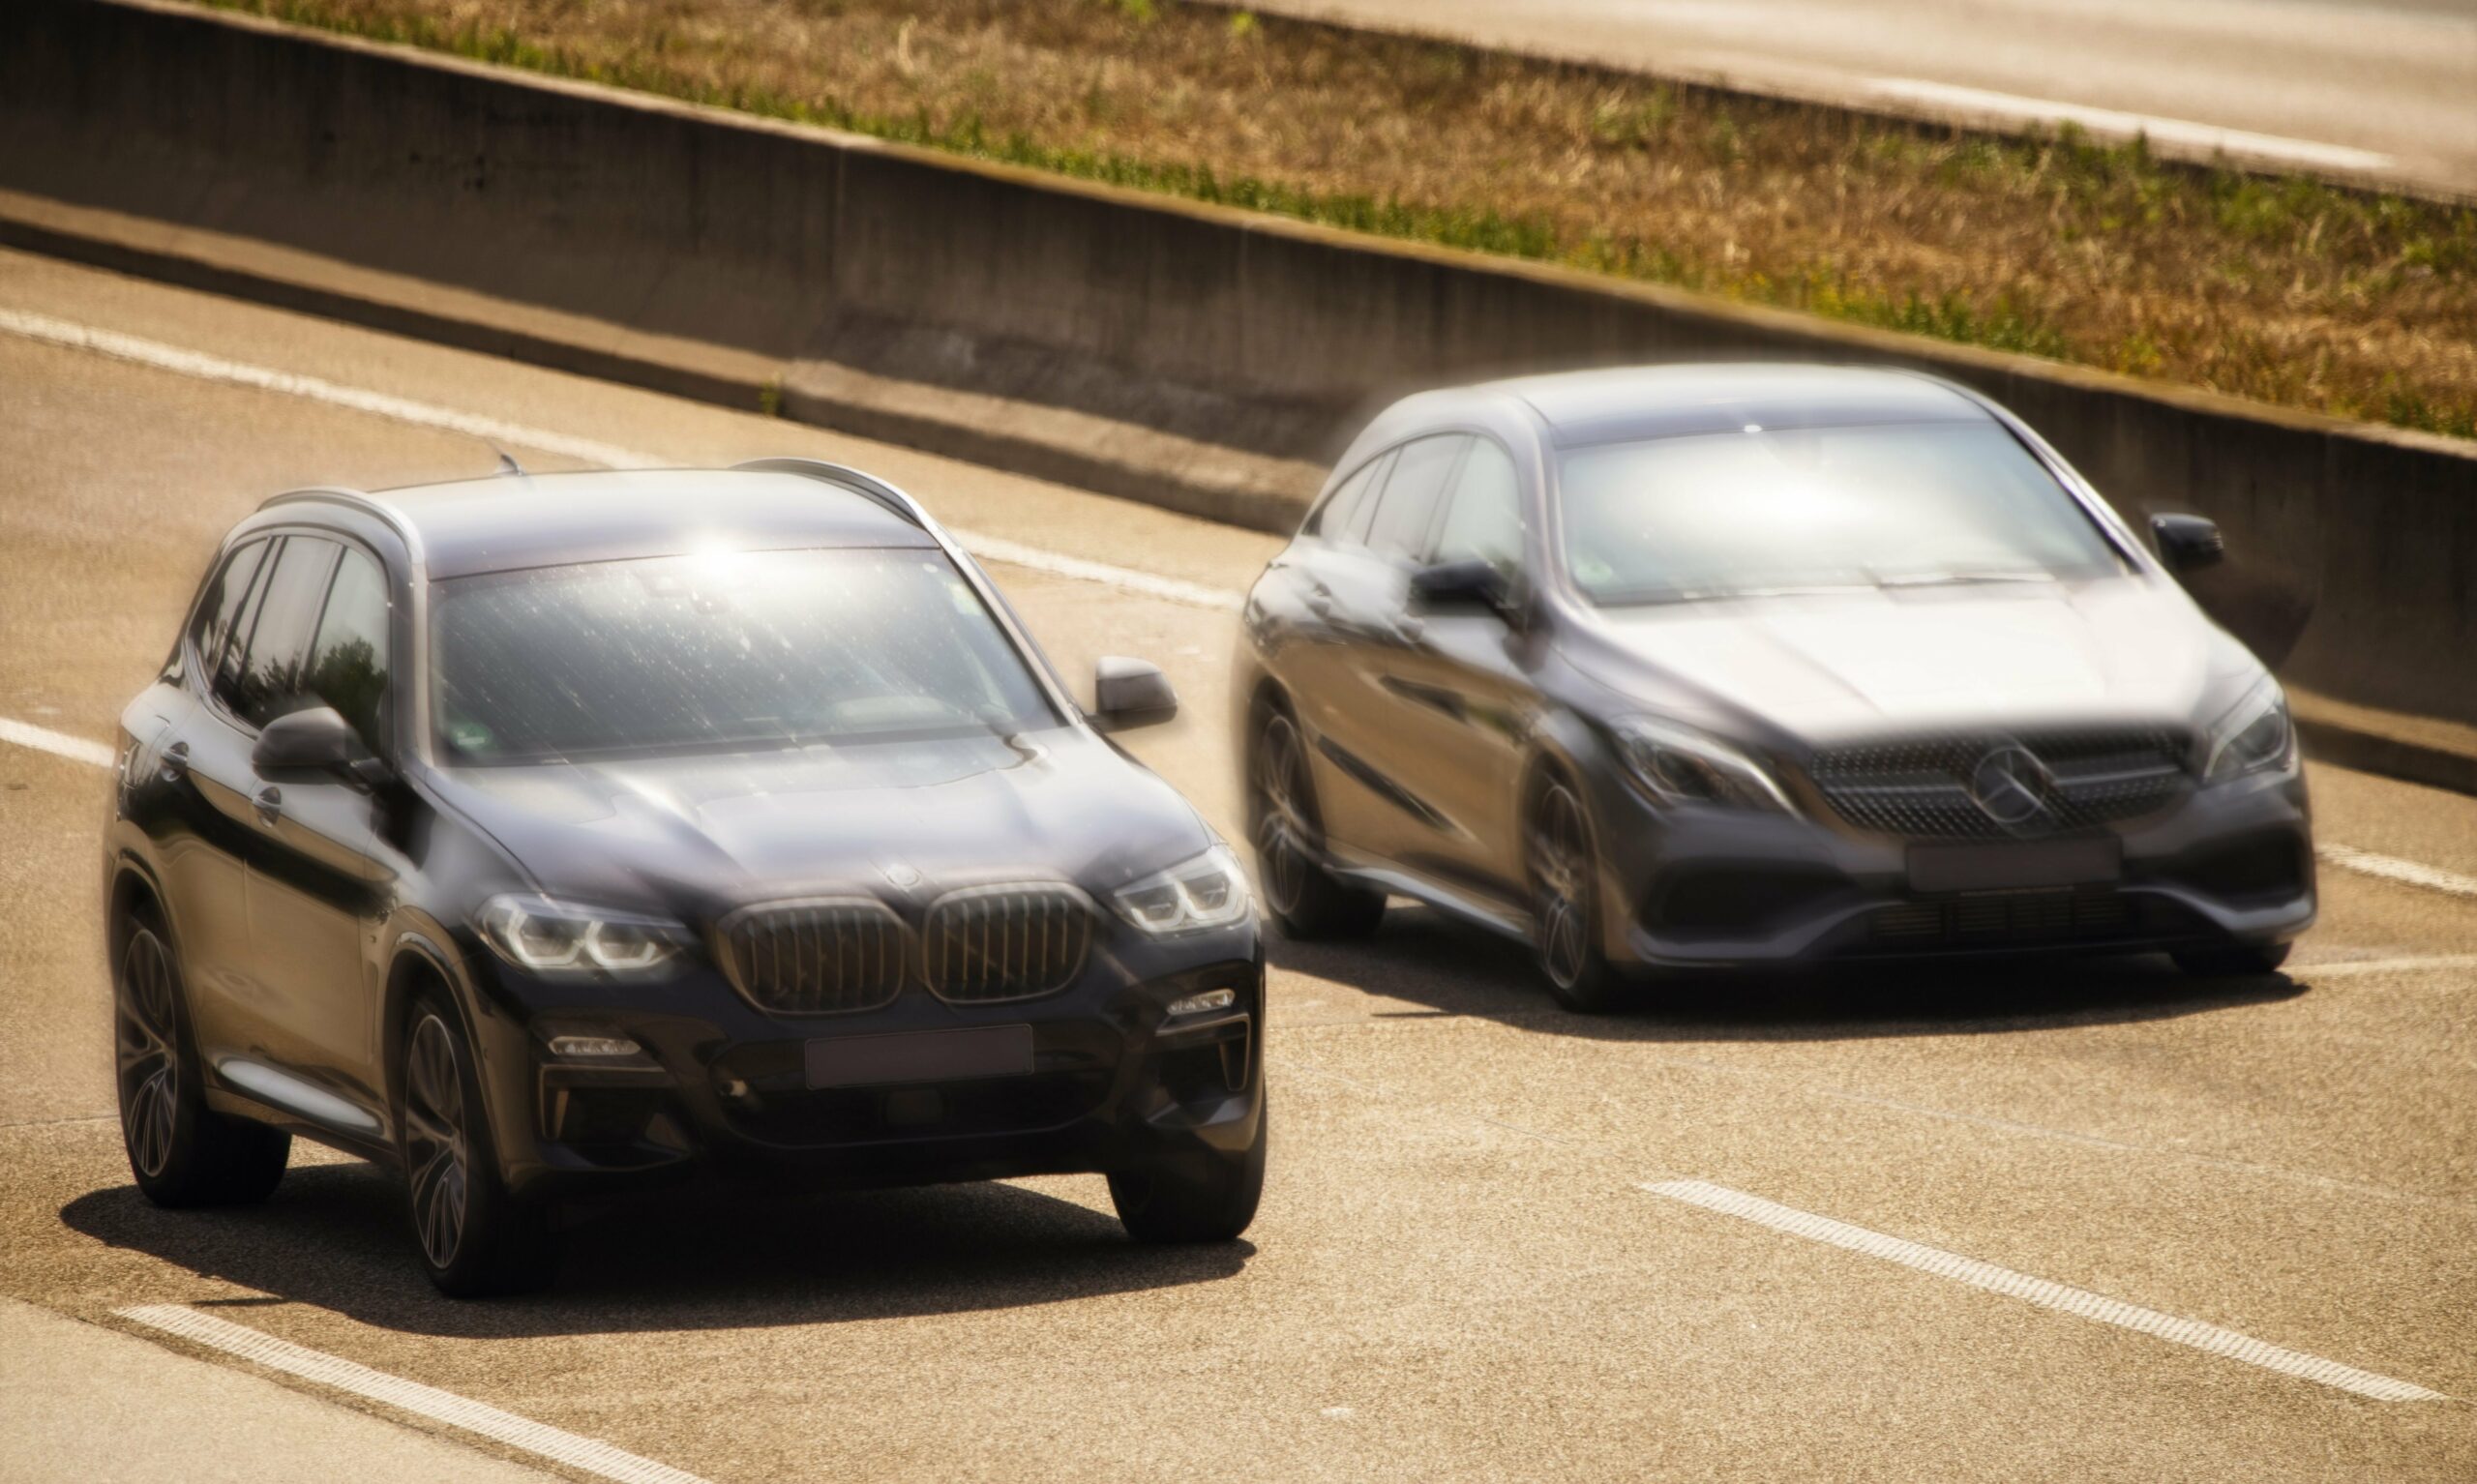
(1813, 669)
(694, 836)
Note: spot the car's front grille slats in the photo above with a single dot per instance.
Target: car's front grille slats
(820, 956)
(1007, 942)
(1920, 787)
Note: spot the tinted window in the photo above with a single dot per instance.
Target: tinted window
(269, 682)
(769, 649)
(1410, 495)
(1332, 519)
(1484, 521)
(349, 660)
(221, 603)
(1886, 505)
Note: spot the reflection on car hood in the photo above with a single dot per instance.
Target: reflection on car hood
(1826, 666)
(696, 835)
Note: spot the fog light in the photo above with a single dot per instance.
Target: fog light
(1198, 1005)
(591, 1046)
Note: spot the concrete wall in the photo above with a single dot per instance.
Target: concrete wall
(815, 249)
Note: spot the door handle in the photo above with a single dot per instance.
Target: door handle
(174, 764)
(1320, 603)
(269, 804)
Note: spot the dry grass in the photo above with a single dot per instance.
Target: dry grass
(2283, 291)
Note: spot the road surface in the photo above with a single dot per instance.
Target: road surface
(2374, 88)
(2076, 1221)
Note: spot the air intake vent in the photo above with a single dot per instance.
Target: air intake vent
(1007, 942)
(823, 956)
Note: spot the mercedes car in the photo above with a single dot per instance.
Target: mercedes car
(550, 839)
(1704, 667)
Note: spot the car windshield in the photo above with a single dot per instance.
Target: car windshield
(1758, 512)
(731, 652)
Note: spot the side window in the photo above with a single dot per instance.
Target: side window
(348, 659)
(225, 678)
(1484, 521)
(1411, 496)
(221, 603)
(269, 681)
(1332, 519)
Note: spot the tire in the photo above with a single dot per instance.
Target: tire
(182, 1152)
(1306, 900)
(1563, 868)
(474, 1236)
(2233, 960)
(1199, 1198)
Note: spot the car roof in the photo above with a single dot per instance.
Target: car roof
(1655, 401)
(509, 522)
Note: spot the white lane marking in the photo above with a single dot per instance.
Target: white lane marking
(43, 739)
(161, 356)
(2391, 868)
(2385, 965)
(2062, 1298)
(584, 1454)
(2185, 134)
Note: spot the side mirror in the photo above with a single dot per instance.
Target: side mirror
(317, 741)
(2188, 543)
(1463, 586)
(1128, 693)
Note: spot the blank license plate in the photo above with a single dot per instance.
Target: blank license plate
(920, 1057)
(2011, 867)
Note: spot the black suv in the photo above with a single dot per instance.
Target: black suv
(553, 837)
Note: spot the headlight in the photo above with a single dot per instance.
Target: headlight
(550, 937)
(1209, 891)
(2252, 737)
(1679, 765)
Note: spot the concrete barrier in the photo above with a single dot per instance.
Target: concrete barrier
(1196, 356)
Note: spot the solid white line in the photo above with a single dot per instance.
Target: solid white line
(160, 356)
(2431, 964)
(2185, 134)
(43, 739)
(582, 1454)
(2080, 1302)
(2391, 868)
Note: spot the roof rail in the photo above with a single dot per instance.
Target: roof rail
(869, 485)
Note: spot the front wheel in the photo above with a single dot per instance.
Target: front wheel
(475, 1236)
(1199, 1198)
(182, 1152)
(2233, 960)
(1565, 894)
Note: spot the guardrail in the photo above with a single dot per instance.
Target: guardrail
(1196, 356)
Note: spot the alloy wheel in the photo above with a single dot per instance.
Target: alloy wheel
(436, 1154)
(1562, 883)
(1282, 832)
(149, 1054)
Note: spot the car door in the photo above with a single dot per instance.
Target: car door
(1373, 739)
(1466, 673)
(310, 890)
(1314, 633)
(199, 815)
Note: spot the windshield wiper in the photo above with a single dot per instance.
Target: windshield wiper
(1955, 576)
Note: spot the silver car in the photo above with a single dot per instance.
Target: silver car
(1712, 665)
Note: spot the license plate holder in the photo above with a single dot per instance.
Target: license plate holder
(2019, 865)
(966, 1054)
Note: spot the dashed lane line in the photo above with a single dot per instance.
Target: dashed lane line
(582, 1454)
(161, 356)
(2391, 868)
(59, 744)
(2210, 1339)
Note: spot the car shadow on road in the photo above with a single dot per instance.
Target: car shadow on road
(1421, 956)
(334, 1237)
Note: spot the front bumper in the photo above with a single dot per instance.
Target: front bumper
(720, 1087)
(2228, 864)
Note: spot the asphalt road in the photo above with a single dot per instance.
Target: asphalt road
(2386, 88)
(1459, 1272)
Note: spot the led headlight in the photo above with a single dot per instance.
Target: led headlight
(550, 937)
(1209, 891)
(1678, 765)
(2252, 737)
